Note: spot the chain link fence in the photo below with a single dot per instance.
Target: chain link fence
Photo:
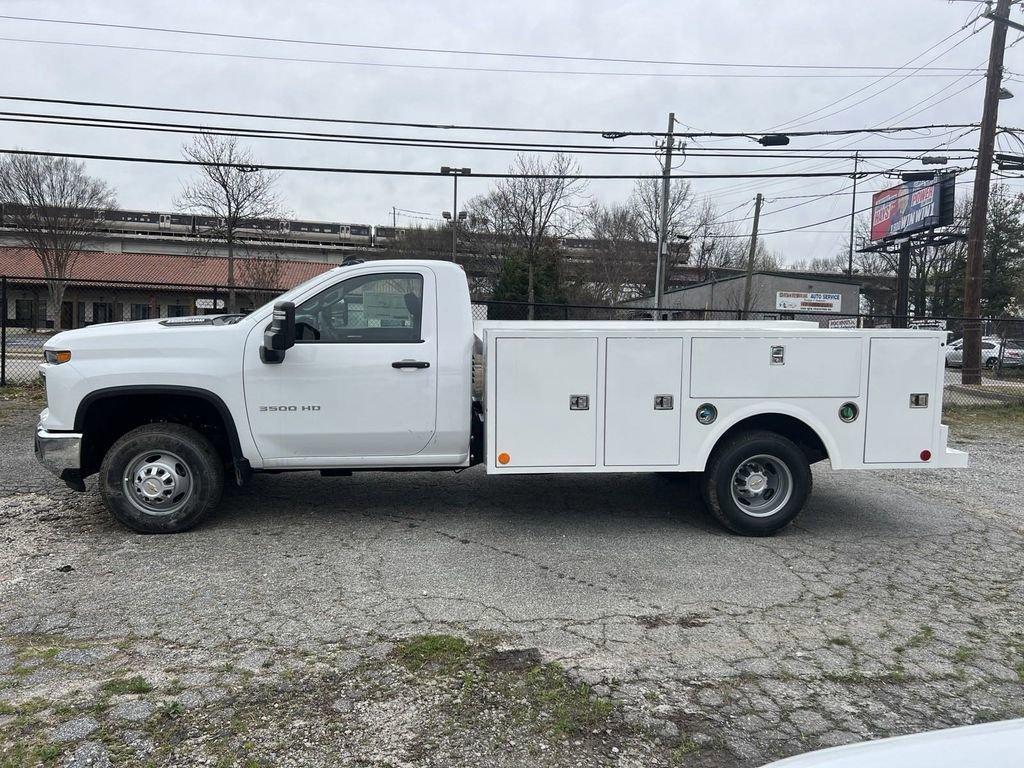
(27, 320)
(28, 316)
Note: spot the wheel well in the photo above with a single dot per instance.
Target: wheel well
(787, 426)
(106, 416)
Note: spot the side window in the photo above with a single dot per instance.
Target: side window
(988, 345)
(386, 308)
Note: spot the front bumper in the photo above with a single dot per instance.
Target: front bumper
(61, 453)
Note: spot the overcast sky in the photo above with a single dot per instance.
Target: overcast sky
(866, 32)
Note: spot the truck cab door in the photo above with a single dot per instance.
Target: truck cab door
(361, 380)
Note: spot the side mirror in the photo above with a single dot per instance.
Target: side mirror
(280, 335)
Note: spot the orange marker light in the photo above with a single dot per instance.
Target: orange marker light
(504, 458)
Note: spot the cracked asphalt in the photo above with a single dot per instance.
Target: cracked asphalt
(892, 606)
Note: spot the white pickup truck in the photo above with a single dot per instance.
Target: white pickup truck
(378, 366)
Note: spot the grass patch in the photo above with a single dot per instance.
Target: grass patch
(964, 654)
(557, 703)
(920, 638)
(438, 651)
(31, 390)
(683, 750)
(22, 754)
(123, 685)
(852, 677)
(996, 414)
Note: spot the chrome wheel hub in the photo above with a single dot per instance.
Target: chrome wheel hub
(761, 485)
(158, 482)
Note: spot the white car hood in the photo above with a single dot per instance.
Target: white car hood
(993, 745)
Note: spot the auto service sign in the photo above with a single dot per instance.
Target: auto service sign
(903, 210)
(800, 301)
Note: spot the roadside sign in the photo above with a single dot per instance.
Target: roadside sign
(928, 325)
(843, 322)
(801, 301)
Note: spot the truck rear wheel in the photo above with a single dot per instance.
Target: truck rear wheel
(161, 478)
(756, 483)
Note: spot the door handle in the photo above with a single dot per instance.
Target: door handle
(410, 364)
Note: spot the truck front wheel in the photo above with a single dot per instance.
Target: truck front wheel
(161, 478)
(756, 483)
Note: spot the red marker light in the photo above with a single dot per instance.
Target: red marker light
(926, 455)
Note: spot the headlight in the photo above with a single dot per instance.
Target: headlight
(56, 356)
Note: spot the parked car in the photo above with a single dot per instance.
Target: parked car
(991, 745)
(991, 353)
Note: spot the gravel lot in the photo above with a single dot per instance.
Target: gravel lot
(438, 619)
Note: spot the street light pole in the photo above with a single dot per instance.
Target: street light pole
(455, 173)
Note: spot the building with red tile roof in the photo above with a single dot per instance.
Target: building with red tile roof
(110, 286)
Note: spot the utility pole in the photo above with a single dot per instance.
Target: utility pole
(666, 190)
(971, 373)
(750, 257)
(853, 210)
(394, 218)
(903, 285)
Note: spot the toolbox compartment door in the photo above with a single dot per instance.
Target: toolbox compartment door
(775, 367)
(899, 368)
(642, 401)
(541, 416)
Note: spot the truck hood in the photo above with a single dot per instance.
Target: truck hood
(134, 333)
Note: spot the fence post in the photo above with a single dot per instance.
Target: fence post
(216, 293)
(1002, 349)
(3, 331)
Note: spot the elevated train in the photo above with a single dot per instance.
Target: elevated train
(299, 232)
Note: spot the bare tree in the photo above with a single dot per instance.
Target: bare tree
(714, 245)
(55, 208)
(646, 204)
(543, 203)
(620, 270)
(233, 194)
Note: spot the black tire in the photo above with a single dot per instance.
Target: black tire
(165, 456)
(781, 456)
(992, 362)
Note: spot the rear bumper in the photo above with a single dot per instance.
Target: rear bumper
(61, 453)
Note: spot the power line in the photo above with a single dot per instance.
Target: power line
(399, 141)
(250, 167)
(456, 51)
(428, 67)
(886, 131)
(796, 121)
(347, 121)
(745, 187)
(241, 132)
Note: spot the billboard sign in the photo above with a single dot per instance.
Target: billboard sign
(908, 208)
(800, 301)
